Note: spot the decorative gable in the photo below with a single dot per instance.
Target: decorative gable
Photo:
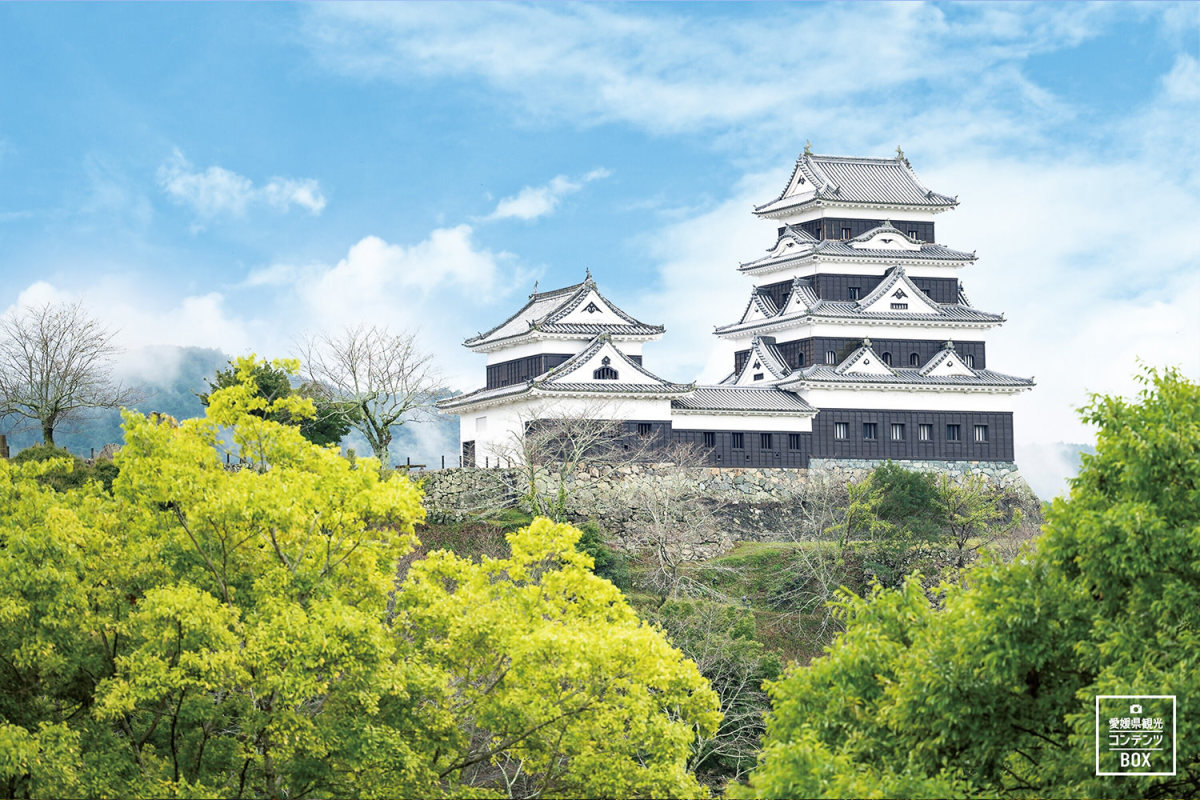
(764, 365)
(601, 363)
(897, 294)
(591, 310)
(947, 363)
(885, 237)
(864, 361)
(801, 298)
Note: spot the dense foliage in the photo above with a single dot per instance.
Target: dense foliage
(201, 631)
(994, 693)
(329, 421)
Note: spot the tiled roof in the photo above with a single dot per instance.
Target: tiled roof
(849, 310)
(612, 387)
(742, 399)
(544, 310)
(838, 248)
(870, 181)
(905, 376)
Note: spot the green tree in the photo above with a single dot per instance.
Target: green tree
(328, 424)
(994, 693)
(207, 632)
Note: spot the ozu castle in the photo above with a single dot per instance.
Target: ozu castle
(856, 342)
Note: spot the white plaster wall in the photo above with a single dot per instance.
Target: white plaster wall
(506, 422)
(838, 212)
(556, 345)
(847, 330)
(907, 401)
(737, 422)
(807, 268)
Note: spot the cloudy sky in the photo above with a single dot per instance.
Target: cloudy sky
(234, 175)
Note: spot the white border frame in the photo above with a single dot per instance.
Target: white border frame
(1174, 732)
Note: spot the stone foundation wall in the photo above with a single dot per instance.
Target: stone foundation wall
(748, 503)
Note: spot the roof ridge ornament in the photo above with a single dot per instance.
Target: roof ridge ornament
(901, 157)
(807, 148)
(949, 345)
(587, 274)
(534, 292)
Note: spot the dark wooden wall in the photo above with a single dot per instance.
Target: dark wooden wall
(831, 227)
(506, 373)
(999, 446)
(813, 350)
(837, 287)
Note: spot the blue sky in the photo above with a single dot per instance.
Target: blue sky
(233, 175)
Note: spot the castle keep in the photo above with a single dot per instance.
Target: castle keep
(857, 342)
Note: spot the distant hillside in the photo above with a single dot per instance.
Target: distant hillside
(1048, 466)
(169, 379)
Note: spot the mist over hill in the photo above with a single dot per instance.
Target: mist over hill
(170, 379)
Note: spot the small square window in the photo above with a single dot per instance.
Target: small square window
(855, 292)
(970, 361)
(764, 441)
(912, 234)
(830, 357)
(644, 429)
(738, 440)
(794, 441)
(758, 376)
(841, 430)
(899, 306)
(897, 431)
(870, 430)
(954, 433)
(925, 432)
(846, 233)
(981, 433)
(710, 439)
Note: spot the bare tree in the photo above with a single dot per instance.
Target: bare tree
(55, 365)
(376, 380)
(672, 514)
(549, 447)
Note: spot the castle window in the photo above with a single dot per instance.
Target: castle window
(605, 373)
(899, 306)
(981, 433)
(870, 431)
(912, 234)
(710, 439)
(925, 432)
(887, 359)
(846, 233)
(830, 357)
(954, 433)
(855, 292)
(914, 359)
(800, 359)
(764, 441)
(897, 431)
(970, 361)
(841, 430)
(644, 429)
(738, 440)
(758, 376)
(794, 441)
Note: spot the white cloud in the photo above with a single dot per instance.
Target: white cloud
(682, 73)
(216, 190)
(537, 201)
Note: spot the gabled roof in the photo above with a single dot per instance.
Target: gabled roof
(576, 376)
(875, 307)
(853, 181)
(759, 306)
(764, 358)
(564, 312)
(865, 367)
(742, 400)
(947, 363)
(789, 249)
(983, 379)
(897, 286)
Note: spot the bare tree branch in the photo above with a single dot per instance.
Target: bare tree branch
(55, 364)
(376, 379)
